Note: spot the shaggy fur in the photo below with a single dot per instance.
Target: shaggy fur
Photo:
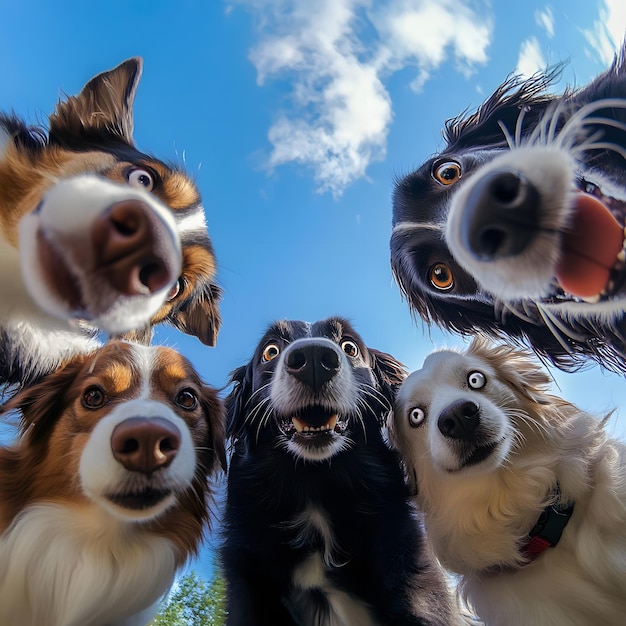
(105, 494)
(483, 488)
(95, 234)
(516, 228)
(318, 526)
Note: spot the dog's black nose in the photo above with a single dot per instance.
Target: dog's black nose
(459, 420)
(312, 363)
(500, 216)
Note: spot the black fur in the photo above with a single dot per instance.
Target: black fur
(467, 308)
(378, 554)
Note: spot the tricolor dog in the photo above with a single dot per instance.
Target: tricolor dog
(95, 234)
(106, 492)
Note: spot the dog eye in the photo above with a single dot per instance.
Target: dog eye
(447, 173)
(350, 348)
(271, 352)
(441, 277)
(416, 417)
(141, 179)
(93, 397)
(476, 380)
(187, 399)
(175, 290)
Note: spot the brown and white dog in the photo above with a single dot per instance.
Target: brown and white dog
(104, 496)
(95, 234)
(524, 494)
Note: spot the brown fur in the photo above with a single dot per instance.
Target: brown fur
(43, 465)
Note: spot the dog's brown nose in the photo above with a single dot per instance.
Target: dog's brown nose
(131, 250)
(312, 363)
(144, 444)
(500, 216)
(459, 420)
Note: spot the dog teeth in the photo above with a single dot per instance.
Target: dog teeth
(301, 427)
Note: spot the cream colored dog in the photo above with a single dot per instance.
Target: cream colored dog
(524, 494)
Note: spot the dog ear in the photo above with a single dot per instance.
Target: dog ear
(199, 316)
(42, 403)
(235, 402)
(214, 410)
(389, 372)
(104, 107)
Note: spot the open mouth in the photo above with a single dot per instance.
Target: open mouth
(139, 500)
(592, 261)
(480, 453)
(58, 274)
(313, 423)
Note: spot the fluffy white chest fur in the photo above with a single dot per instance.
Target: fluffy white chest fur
(489, 449)
(87, 568)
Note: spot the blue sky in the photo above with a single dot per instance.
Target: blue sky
(295, 117)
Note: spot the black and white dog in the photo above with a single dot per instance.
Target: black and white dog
(516, 229)
(318, 526)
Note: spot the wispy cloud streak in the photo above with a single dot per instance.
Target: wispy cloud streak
(335, 57)
(608, 30)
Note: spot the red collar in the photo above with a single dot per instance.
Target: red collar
(545, 534)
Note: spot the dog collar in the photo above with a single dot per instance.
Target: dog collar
(545, 534)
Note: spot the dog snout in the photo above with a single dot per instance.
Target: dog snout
(145, 444)
(459, 420)
(500, 215)
(131, 250)
(313, 363)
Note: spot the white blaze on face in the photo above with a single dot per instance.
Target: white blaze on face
(101, 475)
(64, 220)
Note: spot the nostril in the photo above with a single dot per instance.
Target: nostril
(125, 229)
(469, 409)
(491, 240)
(168, 445)
(154, 275)
(506, 188)
(446, 426)
(330, 360)
(296, 360)
(128, 446)
(127, 218)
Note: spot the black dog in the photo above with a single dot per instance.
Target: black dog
(319, 530)
(516, 229)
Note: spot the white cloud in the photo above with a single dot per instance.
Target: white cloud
(531, 59)
(545, 19)
(335, 56)
(607, 33)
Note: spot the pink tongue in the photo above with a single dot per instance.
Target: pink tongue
(589, 248)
